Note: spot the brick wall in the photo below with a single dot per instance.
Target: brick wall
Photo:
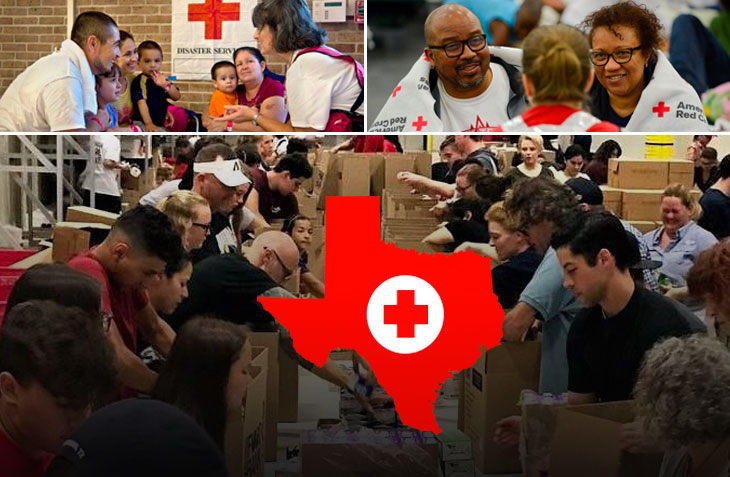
(30, 29)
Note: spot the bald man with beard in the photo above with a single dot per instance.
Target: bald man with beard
(454, 85)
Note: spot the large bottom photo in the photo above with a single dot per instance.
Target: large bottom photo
(364, 305)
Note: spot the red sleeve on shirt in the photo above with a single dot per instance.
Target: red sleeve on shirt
(604, 126)
(93, 268)
(271, 88)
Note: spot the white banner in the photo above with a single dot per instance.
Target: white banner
(207, 31)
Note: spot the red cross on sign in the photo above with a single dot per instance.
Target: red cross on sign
(395, 91)
(660, 109)
(214, 13)
(420, 123)
(405, 314)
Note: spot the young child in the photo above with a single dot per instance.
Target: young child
(151, 89)
(299, 228)
(225, 81)
(108, 89)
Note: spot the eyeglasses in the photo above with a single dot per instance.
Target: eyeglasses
(461, 190)
(288, 273)
(455, 49)
(205, 227)
(621, 56)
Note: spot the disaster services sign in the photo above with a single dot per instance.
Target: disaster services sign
(207, 31)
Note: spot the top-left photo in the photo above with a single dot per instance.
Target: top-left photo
(182, 65)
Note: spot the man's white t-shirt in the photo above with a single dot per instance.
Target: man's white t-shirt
(487, 110)
(98, 178)
(47, 96)
(317, 83)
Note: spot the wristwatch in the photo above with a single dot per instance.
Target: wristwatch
(255, 117)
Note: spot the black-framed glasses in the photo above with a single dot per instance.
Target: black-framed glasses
(620, 56)
(455, 49)
(287, 273)
(205, 227)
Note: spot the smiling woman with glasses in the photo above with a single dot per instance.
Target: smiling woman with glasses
(637, 87)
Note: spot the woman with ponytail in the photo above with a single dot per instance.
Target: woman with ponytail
(557, 75)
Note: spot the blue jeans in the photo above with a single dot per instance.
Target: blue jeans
(697, 55)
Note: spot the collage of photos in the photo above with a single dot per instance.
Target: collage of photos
(528, 211)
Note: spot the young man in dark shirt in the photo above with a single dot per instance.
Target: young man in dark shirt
(621, 321)
(715, 204)
(273, 195)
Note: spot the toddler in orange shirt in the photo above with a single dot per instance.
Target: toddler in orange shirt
(225, 82)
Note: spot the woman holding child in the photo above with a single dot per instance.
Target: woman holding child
(257, 88)
(324, 87)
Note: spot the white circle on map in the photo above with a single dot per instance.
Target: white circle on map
(386, 304)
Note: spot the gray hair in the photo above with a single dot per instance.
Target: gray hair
(682, 391)
(291, 24)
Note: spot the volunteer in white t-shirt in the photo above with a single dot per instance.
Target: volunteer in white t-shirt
(57, 92)
(324, 87)
(574, 161)
(101, 176)
(456, 85)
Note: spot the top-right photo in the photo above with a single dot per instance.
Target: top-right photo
(549, 65)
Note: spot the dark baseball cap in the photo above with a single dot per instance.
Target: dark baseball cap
(139, 437)
(587, 191)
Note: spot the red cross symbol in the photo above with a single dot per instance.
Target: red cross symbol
(405, 314)
(214, 13)
(660, 109)
(420, 123)
(395, 91)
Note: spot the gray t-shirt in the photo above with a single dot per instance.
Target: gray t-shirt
(556, 308)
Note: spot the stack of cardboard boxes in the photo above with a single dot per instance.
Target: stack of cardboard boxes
(635, 187)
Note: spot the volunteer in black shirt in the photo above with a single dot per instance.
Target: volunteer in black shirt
(715, 204)
(608, 339)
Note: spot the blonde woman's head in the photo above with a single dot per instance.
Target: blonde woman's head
(556, 65)
(678, 207)
(190, 214)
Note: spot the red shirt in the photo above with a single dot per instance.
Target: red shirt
(122, 305)
(15, 463)
(269, 87)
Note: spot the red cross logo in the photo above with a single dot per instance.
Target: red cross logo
(214, 13)
(660, 109)
(405, 314)
(395, 91)
(420, 123)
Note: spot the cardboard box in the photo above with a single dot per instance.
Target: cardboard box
(284, 393)
(260, 359)
(491, 393)
(420, 163)
(458, 468)
(70, 238)
(454, 445)
(80, 213)
(587, 443)
(645, 226)
(288, 388)
(681, 171)
(269, 342)
(245, 437)
(44, 256)
(643, 205)
(612, 199)
(345, 174)
(131, 198)
(392, 453)
(403, 206)
(307, 203)
(638, 173)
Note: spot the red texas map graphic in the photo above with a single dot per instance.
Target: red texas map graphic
(357, 263)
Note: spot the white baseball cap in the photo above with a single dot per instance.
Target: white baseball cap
(228, 172)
